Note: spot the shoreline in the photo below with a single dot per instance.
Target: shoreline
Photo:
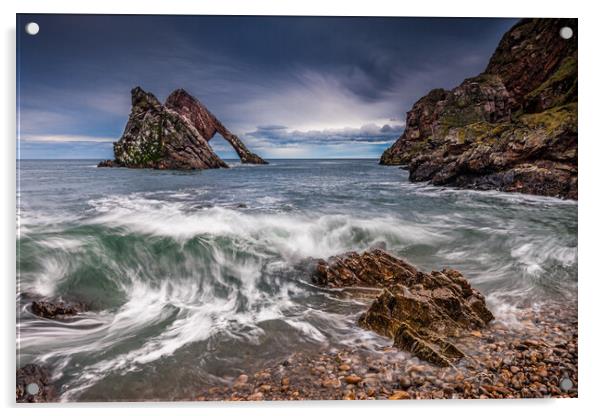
(536, 358)
(495, 238)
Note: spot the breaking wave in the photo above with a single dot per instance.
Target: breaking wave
(170, 276)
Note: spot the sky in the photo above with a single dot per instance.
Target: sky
(290, 87)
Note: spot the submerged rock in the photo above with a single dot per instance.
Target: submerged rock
(56, 309)
(33, 384)
(421, 312)
(172, 136)
(109, 164)
(512, 128)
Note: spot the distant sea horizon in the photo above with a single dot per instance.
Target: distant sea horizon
(225, 158)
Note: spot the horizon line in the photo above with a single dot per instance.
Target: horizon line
(227, 159)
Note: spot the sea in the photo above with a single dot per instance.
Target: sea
(194, 277)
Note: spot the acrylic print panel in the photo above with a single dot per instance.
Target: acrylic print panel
(275, 208)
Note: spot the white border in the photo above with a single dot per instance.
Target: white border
(589, 204)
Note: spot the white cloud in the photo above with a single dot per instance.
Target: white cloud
(307, 101)
(65, 138)
(367, 134)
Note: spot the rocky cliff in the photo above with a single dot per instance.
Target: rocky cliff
(172, 136)
(511, 128)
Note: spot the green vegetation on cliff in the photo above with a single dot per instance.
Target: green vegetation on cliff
(512, 128)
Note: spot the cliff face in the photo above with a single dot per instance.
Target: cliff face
(172, 136)
(511, 128)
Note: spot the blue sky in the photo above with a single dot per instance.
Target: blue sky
(290, 87)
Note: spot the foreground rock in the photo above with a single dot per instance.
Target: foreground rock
(512, 128)
(33, 385)
(373, 268)
(421, 312)
(56, 309)
(172, 136)
(425, 318)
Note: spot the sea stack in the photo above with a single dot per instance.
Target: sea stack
(172, 136)
(207, 124)
(512, 128)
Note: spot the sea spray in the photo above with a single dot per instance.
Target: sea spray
(192, 278)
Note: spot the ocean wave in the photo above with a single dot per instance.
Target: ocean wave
(293, 237)
(191, 274)
(473, 195)
(162, 274)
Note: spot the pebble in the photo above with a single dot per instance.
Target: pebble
(255, 396)
(530, 361)
(400, 395)
(353, 379)
(332, 383)
(405, 382)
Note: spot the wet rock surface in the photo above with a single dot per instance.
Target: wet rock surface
(421, 312)
(33, 385)
(56, 309)
(512, 128)
(372, 268)
(534, 356)
(109, 164)
(172, 136)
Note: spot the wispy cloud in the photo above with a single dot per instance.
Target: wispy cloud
(367, 134)
(308, 100)
(274, 141)
(314, 86)
(65, 138)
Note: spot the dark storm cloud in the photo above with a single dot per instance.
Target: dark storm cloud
(323, 78)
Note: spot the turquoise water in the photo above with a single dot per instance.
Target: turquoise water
(195, 277)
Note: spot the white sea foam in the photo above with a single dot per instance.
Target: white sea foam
(240, 284)
(292, 236)
(30, 220)
(200, 314)
(61, 243)
(425, 189)
(45, 281)
(503, 311)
